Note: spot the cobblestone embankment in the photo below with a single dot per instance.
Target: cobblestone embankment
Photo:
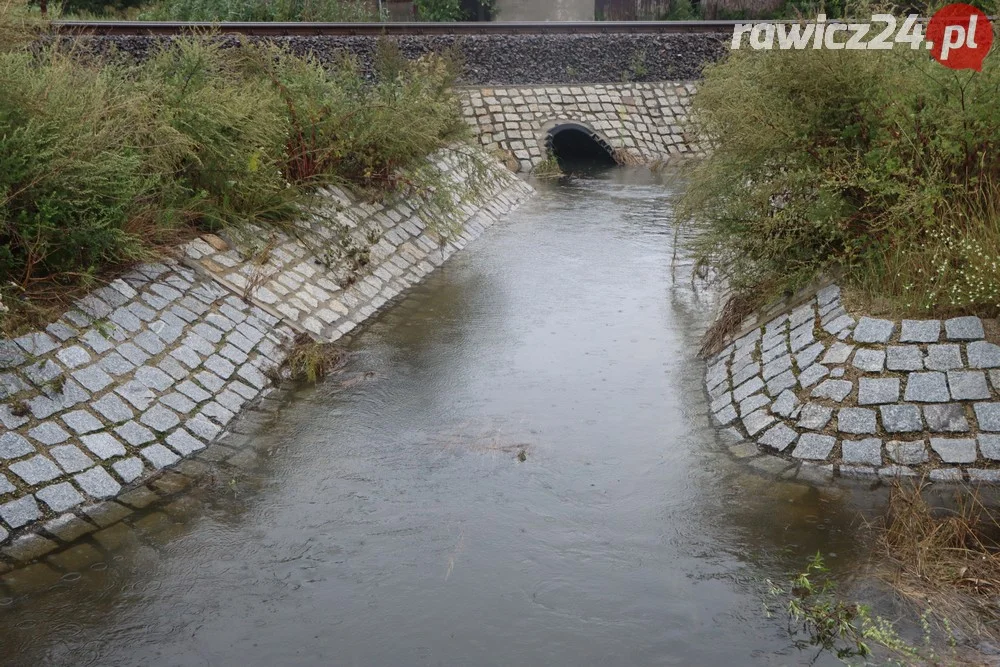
(155, 366)
(816, 392)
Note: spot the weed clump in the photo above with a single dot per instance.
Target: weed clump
(945, 557)
(548, 168)
(819, 617)
(312, 361)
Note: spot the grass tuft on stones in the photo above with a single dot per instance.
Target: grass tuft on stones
(311, 361)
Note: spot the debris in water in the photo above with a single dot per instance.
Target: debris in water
(522, 456)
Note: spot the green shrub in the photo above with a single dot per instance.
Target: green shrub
(216, 133)
(69, 179)
(100, 165)
(343, 128)
(873, 163)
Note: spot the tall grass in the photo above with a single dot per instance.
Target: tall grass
(880, 165)
(102, 164)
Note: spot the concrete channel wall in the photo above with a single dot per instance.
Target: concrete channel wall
(152, 368)
(643, 122)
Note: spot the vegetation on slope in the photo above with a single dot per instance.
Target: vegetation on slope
(880, 166)
(337, 11)
(104, 164)
(719, 10)
(938, 552)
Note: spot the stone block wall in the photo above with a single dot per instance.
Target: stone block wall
(644, 120)
(154, 366)
(142, 372)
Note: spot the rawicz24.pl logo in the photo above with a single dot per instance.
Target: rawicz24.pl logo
(958, 36)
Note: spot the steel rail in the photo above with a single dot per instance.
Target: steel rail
(135, 28)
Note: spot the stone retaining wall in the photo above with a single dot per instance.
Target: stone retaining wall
(817, 391)
(151, 368)
(644, 120)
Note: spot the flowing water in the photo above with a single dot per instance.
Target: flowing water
(393, 521)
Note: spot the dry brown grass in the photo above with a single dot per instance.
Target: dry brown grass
(624, 156)
(943, 556)
(312, 361)
(736, 309)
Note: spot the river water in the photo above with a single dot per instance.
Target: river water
(392, 522)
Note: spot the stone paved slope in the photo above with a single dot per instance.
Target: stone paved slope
(142, 372)
(820, 392)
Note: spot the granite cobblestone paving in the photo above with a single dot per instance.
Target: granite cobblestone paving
(155, 366)
(869, 397)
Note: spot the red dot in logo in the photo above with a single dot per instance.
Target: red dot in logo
(961, 36)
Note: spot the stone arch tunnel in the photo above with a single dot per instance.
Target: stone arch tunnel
(576, 144)
(630, 122)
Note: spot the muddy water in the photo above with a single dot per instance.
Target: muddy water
(391, 521)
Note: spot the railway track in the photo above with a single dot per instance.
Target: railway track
(375, 29)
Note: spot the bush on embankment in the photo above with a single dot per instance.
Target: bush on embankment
(880, 166)
(102, 164)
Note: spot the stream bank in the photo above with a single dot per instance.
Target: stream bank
(155, 366)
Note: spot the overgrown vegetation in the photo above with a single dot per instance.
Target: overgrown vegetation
(454, 10)
(267, 10)
(438, 10)
(714, 10)
(882, 166)
(104, 164)
(940, 552)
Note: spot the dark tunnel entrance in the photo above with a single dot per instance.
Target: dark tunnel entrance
(579, 148)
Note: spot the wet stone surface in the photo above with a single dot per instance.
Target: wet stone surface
(922, 389)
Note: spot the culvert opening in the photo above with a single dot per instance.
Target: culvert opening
(577, 148)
